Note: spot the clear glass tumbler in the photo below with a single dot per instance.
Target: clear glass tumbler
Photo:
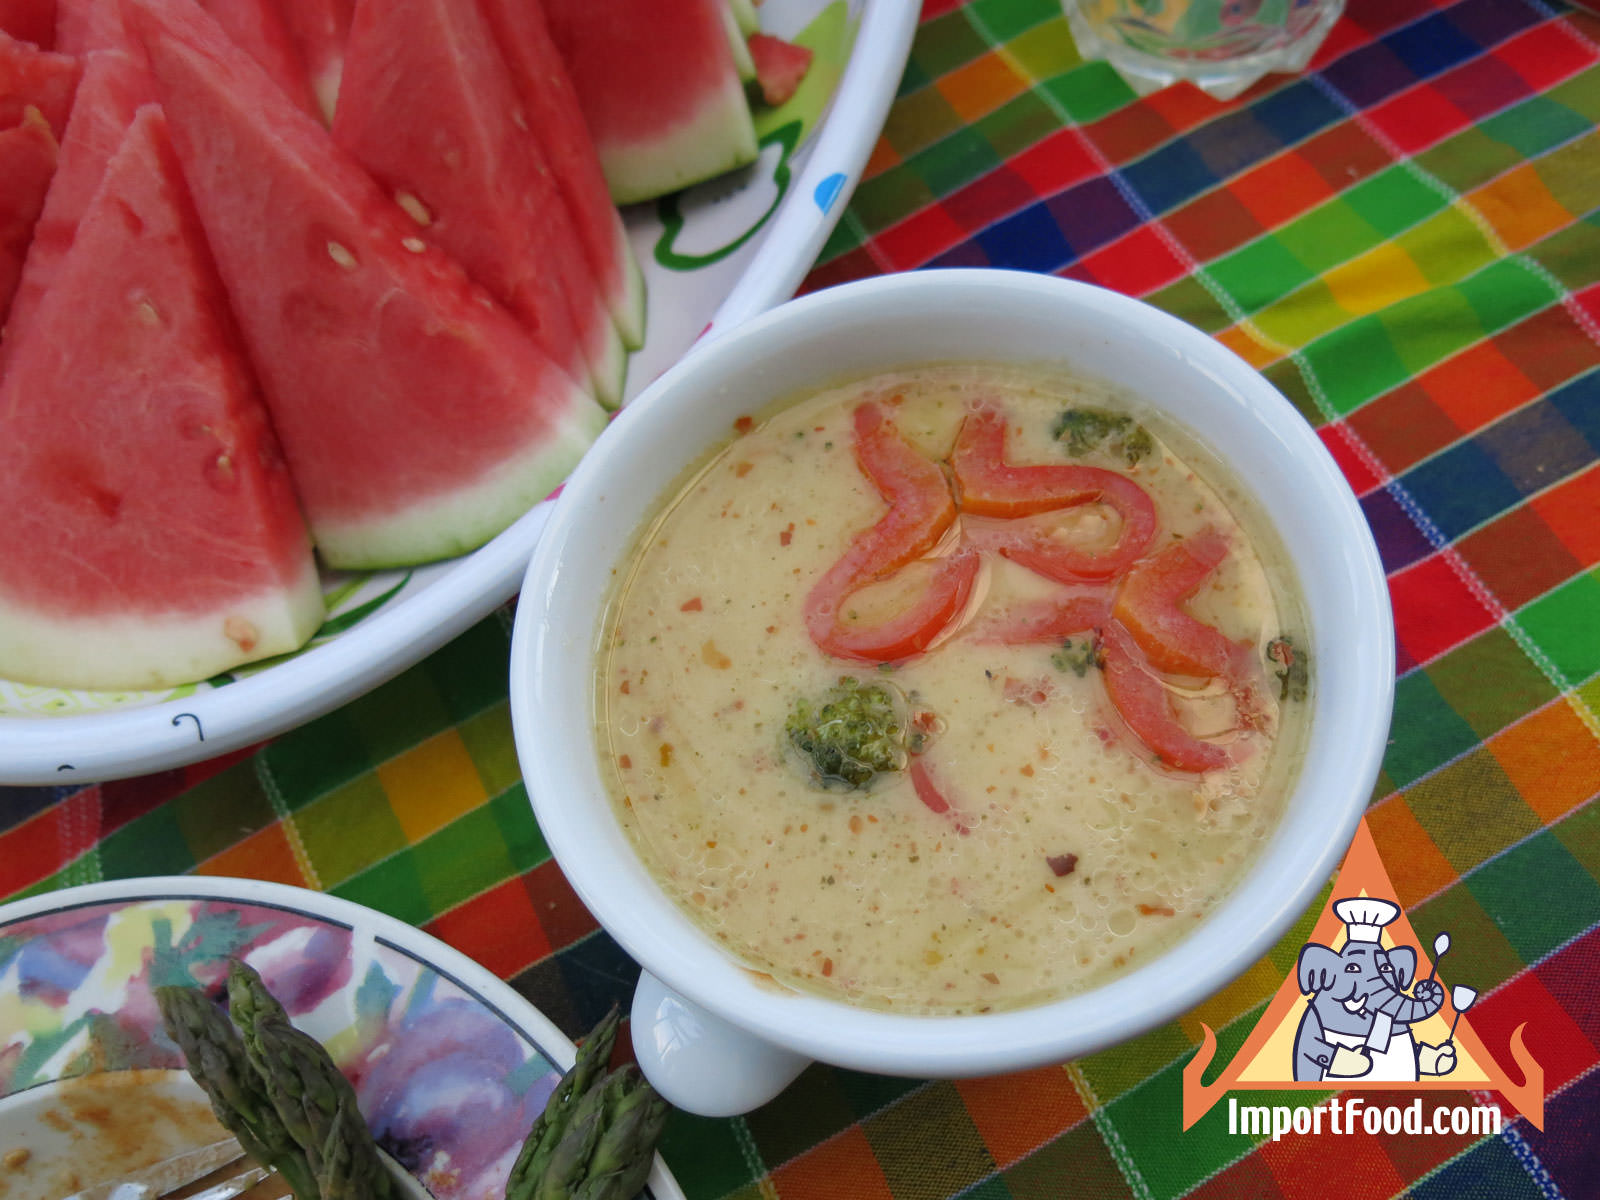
(1221, 46)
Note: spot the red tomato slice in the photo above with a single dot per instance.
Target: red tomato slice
(1147, 606)
(990, 487)
(1047, 620)
(1138, 695)
(1037, 543)
(908, 633)
(921, 509)
(928, 792)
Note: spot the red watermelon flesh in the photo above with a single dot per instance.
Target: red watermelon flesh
(319, 30)
(426, 104)
(659, 90)
(417, 416)
(112, 89)
(257, 27)
(27, 161)
(30, 21)
(552, 111)
(35, 78)
(152, 535)
(780, 66)
(85, 25)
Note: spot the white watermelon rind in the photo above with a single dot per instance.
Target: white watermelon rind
(625, 292)
(605, 354)
(720, 137)
(744, 15)
(737, 46)
(448, 526)
(121, 651)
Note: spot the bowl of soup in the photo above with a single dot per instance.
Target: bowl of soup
(946, 674)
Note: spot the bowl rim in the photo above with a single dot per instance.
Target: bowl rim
(1274, 891)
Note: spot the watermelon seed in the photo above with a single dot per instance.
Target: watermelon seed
(241, 633)
(415, 209)
(341, 256)
(415, 245)
(148, 313)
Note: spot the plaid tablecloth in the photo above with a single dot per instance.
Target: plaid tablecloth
(1406, 241)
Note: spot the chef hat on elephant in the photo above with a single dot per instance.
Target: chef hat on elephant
(1365, 916)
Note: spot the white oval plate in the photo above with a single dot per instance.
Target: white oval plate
(712, 257)
(450, 1064)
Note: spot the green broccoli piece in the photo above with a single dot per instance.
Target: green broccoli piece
(1078, 656)
(1082, 430)
(851, 735)
(1292, 666)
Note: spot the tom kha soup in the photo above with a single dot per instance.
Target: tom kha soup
(951, 690)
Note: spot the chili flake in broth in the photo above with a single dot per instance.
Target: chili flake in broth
(1070, 621)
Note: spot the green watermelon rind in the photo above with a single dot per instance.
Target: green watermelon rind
(740, 49)
(719, 138)
(626, 295)
(123, 651)
(744, 15)
(435, 527)
(605, 353)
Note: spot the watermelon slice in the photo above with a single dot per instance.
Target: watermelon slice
(417, 416)
(780, 66)
(114, 85)
(152, 537)
(319, 30)
(35, 78)
(552, 111)
(257, 27)
(27, 161)
(81, 25)
(659, 90)
(427, 105)
(30, 21)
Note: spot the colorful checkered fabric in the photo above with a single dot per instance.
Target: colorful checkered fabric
(1406, 241)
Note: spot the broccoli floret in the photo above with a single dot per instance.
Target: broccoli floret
(850, 735)
(1081, 430)
(1078, 656)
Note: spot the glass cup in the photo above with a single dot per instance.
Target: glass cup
(1221, 46)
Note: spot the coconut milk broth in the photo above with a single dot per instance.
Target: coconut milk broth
(870, 895)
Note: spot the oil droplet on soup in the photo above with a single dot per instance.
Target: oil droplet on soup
(1064, 654)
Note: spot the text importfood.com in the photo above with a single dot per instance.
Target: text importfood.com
(1353, 1114)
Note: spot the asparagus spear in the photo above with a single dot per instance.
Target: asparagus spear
(306, 1088)
(551, 1124)
(216, 1058)
(568, 1164)
(347, 1174)
(625, 1151)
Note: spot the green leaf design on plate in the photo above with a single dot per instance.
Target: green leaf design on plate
(671, 211)
(332, 627)
(338, 624)
(212, 938)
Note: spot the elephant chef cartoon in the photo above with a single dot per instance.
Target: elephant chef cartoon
(1358, 1023)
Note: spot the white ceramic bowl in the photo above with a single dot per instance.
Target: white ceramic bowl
(710, 1037)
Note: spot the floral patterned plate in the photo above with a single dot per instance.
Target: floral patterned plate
(712, 256)
(449, 1063)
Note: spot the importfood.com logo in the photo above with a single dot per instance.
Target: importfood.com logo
(1352, 1114)
(1365, 1010)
